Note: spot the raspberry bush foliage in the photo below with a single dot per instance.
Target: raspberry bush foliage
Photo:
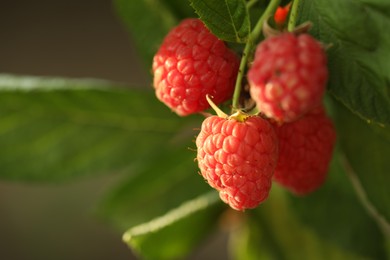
(178, 185)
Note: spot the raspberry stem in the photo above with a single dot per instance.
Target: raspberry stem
(293, 16)
(251, 3)
(255, 34)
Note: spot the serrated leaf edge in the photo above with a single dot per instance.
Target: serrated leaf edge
(238, 38)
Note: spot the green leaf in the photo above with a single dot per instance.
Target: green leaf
(359, 56)
(174, 234)
(253, 240)
(159, 195)
(53, 129)
(366, 149)
(227, 19)
(148, 22)
(328, 209)
(273, 231)
(165, 183)
(181, 9)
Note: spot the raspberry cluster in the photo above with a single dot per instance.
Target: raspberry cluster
(289, 139)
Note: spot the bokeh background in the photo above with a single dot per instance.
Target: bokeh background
(68, 38)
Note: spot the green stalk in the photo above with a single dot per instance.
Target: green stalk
(293, 16)
(255, 34)
(251, 3)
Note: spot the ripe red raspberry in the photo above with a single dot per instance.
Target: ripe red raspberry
(238, 158)
(288, 76)
(190, 64)
(305, 150)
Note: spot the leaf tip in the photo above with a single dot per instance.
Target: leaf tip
(126, 237)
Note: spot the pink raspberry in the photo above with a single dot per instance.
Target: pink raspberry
(305, 150)
(288, 76)
(190, 64)
(238, 158)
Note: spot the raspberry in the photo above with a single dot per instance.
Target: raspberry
(305, 150)
(288, 76)
(190, 64)
(237, 157)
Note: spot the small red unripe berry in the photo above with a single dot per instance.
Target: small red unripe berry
(281, 14)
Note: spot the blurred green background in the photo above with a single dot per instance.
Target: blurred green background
(67, 38)
(73, 39)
